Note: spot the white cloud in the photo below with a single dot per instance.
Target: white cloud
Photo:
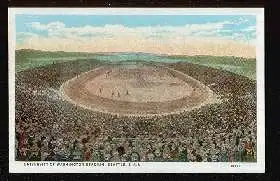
(176, 46)
(241, 20)
(50, 26)
(250, 29)
(26, 34)
(191, 39)
(59, 29)
(21, 36)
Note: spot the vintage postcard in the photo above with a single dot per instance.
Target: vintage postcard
(136, 90)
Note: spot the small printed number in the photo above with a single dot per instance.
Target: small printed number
(234, 165)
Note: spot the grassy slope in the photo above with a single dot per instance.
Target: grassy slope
(27, 58)
(34, 58)
(241, 66)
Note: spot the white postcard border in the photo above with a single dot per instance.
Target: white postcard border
(145, 167)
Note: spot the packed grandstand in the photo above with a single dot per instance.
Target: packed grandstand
(50, 128)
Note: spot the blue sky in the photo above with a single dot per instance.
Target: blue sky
(240, 22)
(149, 27)
(132, 20)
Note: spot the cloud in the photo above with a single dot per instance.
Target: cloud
(241, 20)
(22, 36)
(60, 29)
(176, 46)
(26, 34)
(49, 27)
(250, 29)
(190, 39)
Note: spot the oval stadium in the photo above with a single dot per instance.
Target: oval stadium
(86, 110)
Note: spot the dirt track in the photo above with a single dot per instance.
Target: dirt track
(190, 92)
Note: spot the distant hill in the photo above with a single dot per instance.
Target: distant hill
(211, 57)
(30, 53)
(27, 58)
(23, 54)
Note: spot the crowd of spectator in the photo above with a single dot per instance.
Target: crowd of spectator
(49, 128)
